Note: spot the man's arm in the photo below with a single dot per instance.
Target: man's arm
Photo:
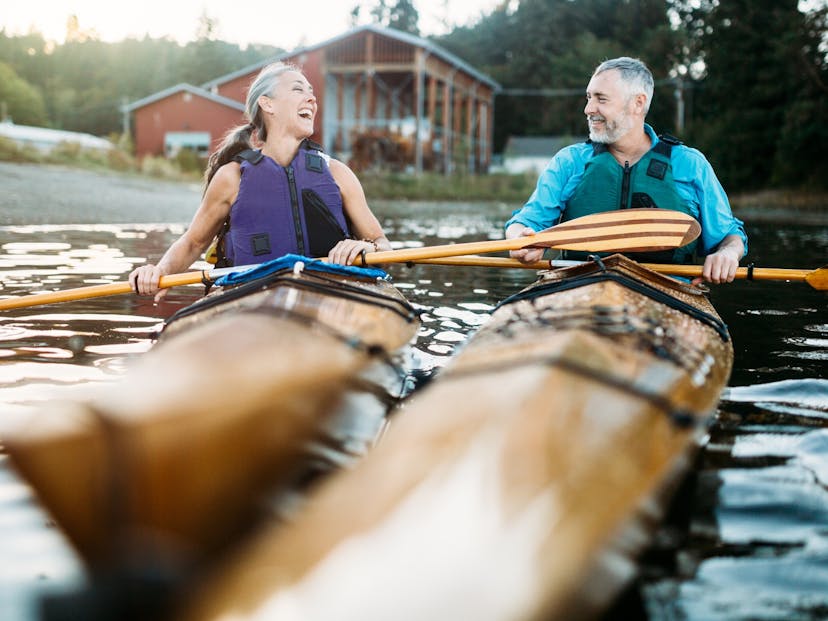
(544, 207)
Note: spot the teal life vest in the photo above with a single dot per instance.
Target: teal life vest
(606, 186)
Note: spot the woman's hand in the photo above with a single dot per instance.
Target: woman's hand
(144, 281)
(347, 251)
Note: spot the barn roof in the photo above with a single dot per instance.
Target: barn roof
(195, 90)
(413, 40)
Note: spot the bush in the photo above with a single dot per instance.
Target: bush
(159, 167)
(74, 154)
(11, 152)
(120, 160)
(189, 161)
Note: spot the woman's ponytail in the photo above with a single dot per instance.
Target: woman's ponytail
(235, 141)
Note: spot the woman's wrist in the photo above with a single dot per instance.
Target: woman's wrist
(373, 243)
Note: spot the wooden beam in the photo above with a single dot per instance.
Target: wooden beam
(340, 112)
(447, 112)
(379, 68)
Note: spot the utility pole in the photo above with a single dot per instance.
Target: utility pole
(678, 93)
(125, 112)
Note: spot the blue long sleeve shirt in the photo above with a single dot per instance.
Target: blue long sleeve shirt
(695, 182)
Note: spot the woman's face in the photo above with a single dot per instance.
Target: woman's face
(291, 105)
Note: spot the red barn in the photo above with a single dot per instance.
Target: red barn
(182, 116)
(386, 99)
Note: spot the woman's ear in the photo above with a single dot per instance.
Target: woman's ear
(265, 104)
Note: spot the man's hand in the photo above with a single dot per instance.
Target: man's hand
(524, 255)
(720, 266)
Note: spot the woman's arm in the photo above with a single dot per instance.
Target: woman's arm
(367, 231)
(206, 223)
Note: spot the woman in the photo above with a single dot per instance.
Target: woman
(286, 197)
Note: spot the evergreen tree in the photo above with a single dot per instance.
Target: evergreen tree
(752, 52)
(554, 45)
(403, 16)
(800, 156)
(398, 14)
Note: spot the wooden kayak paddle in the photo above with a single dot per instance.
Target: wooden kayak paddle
(816, 278)
(628, 230)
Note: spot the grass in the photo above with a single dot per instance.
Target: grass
(436, 187)
(498, 187)
(117, 159)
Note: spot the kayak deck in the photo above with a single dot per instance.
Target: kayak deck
(521, 482)
(244, 392)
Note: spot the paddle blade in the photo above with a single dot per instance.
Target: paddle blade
(622, 230)
(818, 278)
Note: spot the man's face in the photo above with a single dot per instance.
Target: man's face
(608, 108)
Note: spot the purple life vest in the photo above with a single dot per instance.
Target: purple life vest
(280, 210)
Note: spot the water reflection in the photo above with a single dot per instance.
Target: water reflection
(753, 540)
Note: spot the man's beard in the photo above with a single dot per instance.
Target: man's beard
(612, 131)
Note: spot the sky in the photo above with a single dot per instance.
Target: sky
(281, 23)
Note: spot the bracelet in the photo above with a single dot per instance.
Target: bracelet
(373, 242)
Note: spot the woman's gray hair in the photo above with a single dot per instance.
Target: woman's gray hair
(240, 137)
(636, 76)
(264, 84)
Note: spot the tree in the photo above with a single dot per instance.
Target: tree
(800, 159)
(403, 16)
(398, 14)
(754, 94)
(19, 100)
(554, 45)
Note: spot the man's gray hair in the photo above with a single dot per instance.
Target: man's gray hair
(636, 76)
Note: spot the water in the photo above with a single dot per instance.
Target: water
(748, 534)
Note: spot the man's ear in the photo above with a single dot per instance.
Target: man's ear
(640, 103)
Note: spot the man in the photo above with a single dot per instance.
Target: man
(625, 165)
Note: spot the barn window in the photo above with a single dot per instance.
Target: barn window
(198, 142)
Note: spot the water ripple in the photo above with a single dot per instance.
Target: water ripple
(779, 588)
(774, 505)
(804, 393)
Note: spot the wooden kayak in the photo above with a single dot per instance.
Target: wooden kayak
(256, 387)
(521, 482)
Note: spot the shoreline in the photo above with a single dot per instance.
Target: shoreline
(50, 194)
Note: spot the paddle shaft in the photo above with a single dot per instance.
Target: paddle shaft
(817, 278)
(620, 230)
(115, 288)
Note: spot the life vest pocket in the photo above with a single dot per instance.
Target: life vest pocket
(259, 244)
(324, 232)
